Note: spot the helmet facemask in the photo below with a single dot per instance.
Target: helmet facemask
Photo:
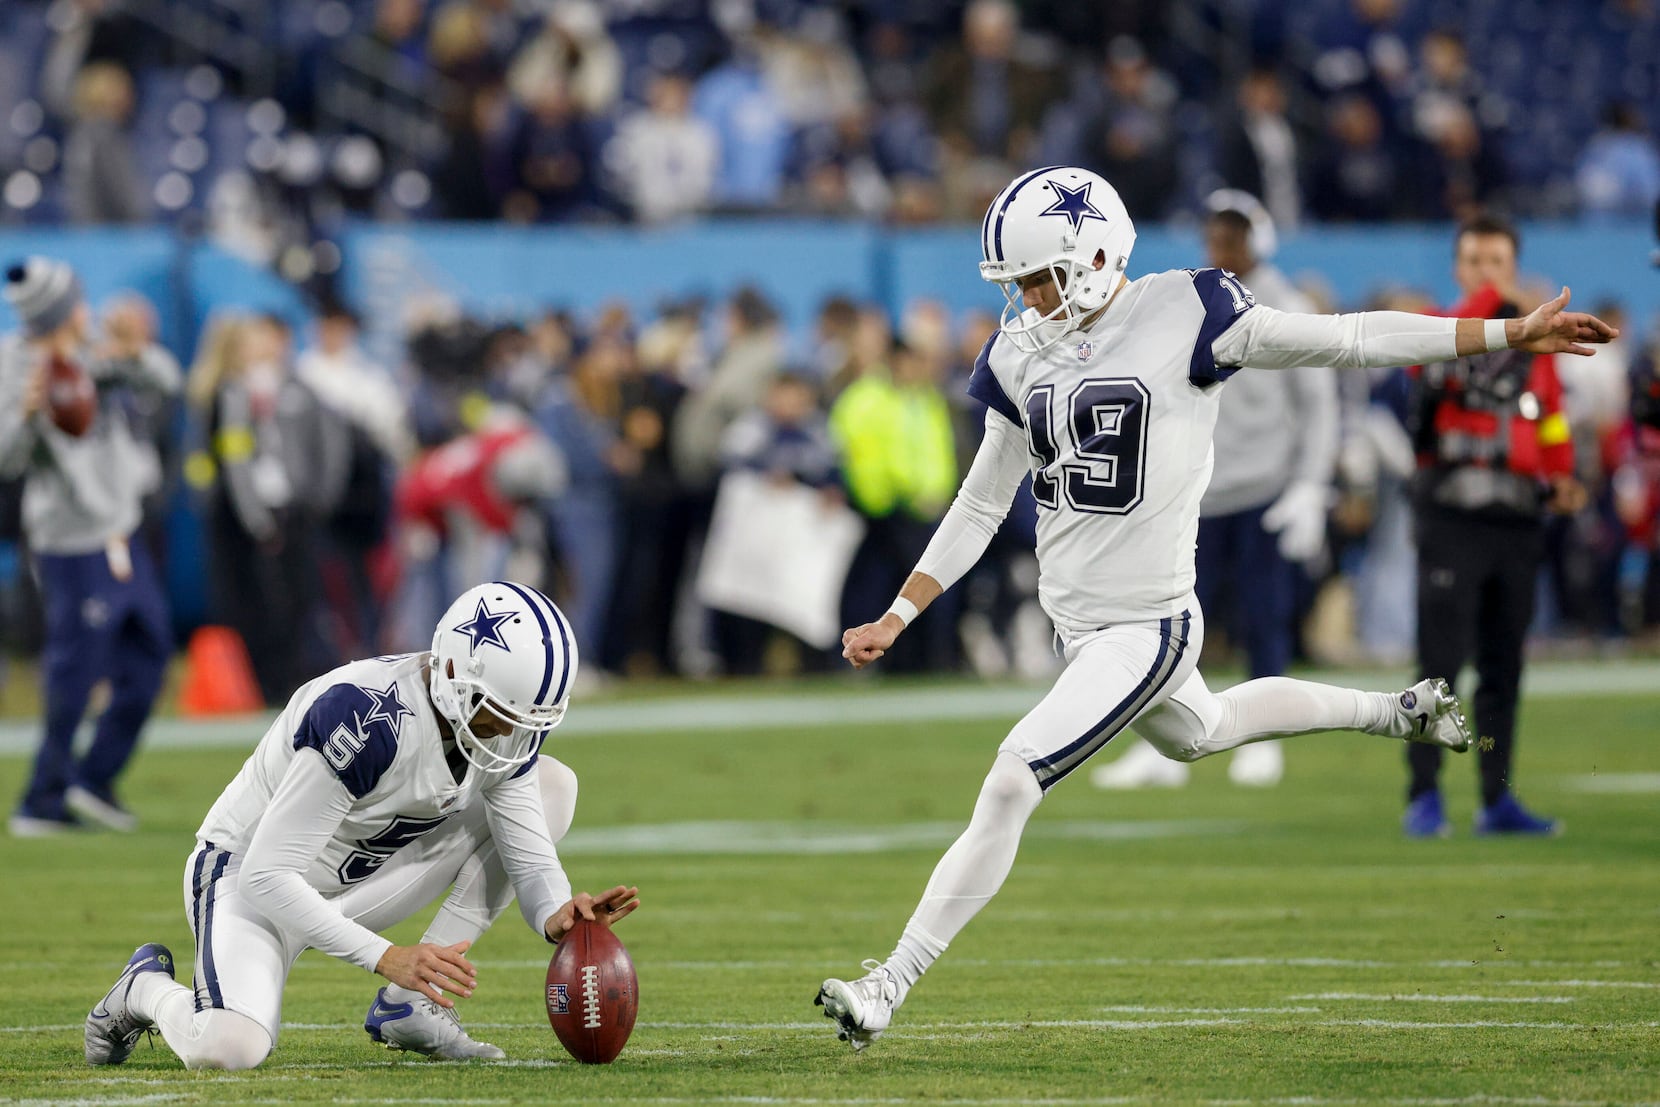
(460, 695)
(1083, 289)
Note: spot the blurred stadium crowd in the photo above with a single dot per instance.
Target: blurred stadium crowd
(269, 120)
(342, 500)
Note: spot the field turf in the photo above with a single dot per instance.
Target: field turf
(1213, 945)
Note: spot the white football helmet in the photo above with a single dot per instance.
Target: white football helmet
(506, 648)
(1058, 218)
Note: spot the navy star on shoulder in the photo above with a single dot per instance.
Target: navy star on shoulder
(1073, 204)
(385, 705)
(484, 629)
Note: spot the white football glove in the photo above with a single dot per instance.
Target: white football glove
(1299, 518)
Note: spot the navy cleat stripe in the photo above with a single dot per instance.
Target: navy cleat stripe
(547, 639)
(1052, 769)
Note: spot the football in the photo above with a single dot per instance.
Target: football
(71, 399)
(592, 993)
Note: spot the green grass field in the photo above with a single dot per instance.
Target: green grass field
(1211, 945)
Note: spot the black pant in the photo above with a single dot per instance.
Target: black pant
(1476, 581)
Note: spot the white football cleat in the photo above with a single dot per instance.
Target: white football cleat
(862, 1008)
(1428, 712)
(1258, 765)
(1141, 766)
(423, 1026)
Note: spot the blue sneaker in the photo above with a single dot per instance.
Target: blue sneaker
(1424, 817)
(112, 1029)
(1508, 816)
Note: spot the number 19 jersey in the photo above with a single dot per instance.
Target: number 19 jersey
(1117, 420)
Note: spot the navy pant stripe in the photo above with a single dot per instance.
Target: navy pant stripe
(206, 942)
(1056, 766)
(196, 912)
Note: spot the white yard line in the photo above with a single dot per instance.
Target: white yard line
(1410, 997)
(718, 714)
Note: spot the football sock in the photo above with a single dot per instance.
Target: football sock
(210, 1039)
(397, 993)
(971, 871)
(1271, 706)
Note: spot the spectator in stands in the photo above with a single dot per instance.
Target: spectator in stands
(1257, 148)
(397, 29)
(100, 174)
(1465, 172)
(1445, 78)
(459, 46)
(106, 611)
(85, 32)
(476, 173)
(751, 131)
(573, 49)
(810, 67)
(663, 158)
(1128, 133)
(281, 460)
(985, 101)
(1357, 177)
(1619, 170)
(376, 420)
(787, 439)
(553, 158)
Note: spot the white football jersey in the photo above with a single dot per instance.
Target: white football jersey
(1118, 420)
(375, 726)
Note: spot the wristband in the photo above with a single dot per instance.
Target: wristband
(1494, 336)
(905, 609)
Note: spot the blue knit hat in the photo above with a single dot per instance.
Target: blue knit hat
(43, 292)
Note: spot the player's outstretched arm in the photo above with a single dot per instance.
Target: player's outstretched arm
(608, 907)
(867, 642)
(431, 970)
(1268, 339)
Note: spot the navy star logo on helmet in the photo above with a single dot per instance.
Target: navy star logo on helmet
(1073, 204)
(484, 629)
(387, 706)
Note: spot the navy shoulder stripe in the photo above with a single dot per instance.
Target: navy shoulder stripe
(983, 385)
(1225, 299)
(356, 731)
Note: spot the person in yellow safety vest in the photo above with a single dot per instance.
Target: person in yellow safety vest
(899, 460)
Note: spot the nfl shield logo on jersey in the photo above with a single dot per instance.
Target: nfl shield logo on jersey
(1085, 351)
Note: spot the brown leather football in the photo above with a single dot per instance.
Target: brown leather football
(592, 994)
(71, 399)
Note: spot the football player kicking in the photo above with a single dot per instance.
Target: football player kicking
(380, 785)
(1106, 389)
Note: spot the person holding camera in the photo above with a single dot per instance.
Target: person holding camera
(1494, 456)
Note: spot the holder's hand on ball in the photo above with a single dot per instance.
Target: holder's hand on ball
(606, 908)
(431, 970)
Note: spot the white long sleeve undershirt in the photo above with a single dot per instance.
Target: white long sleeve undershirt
(981, 503)
(305, 811)
(1264, 338)
(519, 828)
